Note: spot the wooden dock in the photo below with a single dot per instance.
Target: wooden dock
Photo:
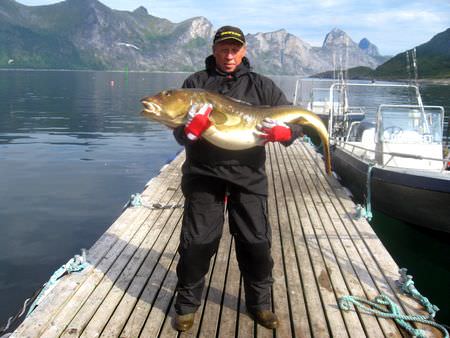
(321, 253)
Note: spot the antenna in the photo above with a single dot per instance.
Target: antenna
(334, 65)
(347, 63)
(414, 60)
(408, 67)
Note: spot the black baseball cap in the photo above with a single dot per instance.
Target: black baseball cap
(229, 33)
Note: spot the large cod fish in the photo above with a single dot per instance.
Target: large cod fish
(233, 122)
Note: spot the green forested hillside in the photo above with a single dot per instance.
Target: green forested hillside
(433, 60)
(22, 47)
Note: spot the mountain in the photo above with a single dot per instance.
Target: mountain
(433, 60)
(280, 52)
(85, 34)
(348, 54)
(370, 49)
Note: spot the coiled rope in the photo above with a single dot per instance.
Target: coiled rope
(382, 306)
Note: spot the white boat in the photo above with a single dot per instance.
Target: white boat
(392, 159)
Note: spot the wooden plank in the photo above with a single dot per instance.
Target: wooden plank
(162, 311)
(341, 221)
(246, 326)
(289, 299)
(325, 268)
(380, 258)
(155, 291)
(210, 321)
(305, 259)
(230, 312)
(144, 259)
(98, 290)
(147, 282)
(333, 247)
(333, 239)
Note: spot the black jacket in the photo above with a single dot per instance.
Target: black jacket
(244, 167)
(243, 84)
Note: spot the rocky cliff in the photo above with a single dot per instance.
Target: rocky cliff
(85, 34)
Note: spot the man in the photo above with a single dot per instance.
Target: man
(211, 173)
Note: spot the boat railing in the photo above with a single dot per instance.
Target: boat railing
(344, 144)
(446, 135)
(341, 88)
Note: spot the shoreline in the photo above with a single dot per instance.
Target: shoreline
(437, 81)
(91, 70)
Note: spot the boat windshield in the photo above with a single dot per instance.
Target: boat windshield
(319, 101)
(410, 124)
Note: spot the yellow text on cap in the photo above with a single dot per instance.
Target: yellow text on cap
(232, 33)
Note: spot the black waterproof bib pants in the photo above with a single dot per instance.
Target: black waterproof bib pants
(200, 236)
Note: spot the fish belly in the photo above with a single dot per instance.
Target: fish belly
(232, 140)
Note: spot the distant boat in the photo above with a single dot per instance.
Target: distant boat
(394, 162)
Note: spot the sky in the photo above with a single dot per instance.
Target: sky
(392, 25)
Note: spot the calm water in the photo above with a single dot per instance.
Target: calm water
(73, 148)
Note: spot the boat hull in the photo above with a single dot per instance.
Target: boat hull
(422, 200)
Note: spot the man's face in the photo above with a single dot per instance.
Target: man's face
(228, 55)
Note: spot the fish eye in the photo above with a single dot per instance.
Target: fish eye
(166, 93)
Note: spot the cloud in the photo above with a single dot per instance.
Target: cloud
(403, 16)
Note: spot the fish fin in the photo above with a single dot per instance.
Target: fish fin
(222, 120)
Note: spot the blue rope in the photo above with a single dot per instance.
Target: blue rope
(75, 264)
(390, 310)
(366, 211)
(407, 286)
(307, 139)
(135, 201)
(382, 306)
(369, 193)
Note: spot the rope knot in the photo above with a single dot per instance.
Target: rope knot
(136, 200)
(406, 284)
(345, 303)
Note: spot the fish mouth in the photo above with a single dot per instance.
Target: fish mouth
(151, 108)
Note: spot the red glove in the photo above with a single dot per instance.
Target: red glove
(274, 131)
(198, 121)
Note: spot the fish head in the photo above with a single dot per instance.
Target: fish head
(169, 107)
